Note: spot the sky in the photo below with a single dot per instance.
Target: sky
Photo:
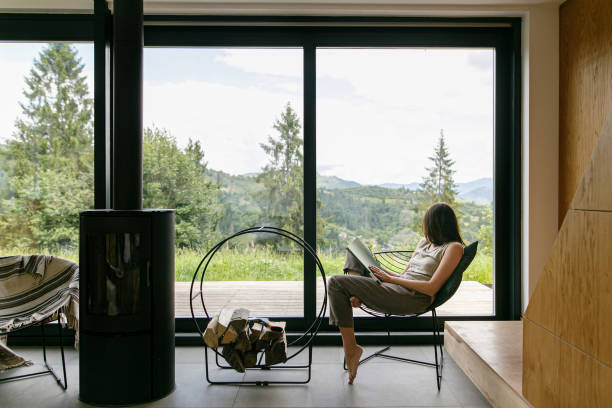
(379, 111)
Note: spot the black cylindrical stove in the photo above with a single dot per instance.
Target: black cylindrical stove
(126, 331)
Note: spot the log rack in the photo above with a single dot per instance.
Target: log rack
(304, 342)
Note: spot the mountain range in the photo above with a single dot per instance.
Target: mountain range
(479, 191)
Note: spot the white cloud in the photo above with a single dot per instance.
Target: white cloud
(402, 98)
(229, 121)
(15, 64)
(269, 61)
(377, 121)
(383, 129)
(12, 84)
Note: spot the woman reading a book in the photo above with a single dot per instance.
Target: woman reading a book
(433, 261)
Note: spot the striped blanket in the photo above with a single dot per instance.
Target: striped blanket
(33, 289)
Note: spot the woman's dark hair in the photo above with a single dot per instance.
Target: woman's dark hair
(440, 225)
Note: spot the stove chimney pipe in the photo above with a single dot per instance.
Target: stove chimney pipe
(127, 143)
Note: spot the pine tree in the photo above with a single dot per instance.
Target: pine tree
(49, 159)
(438, 185)
(283, 176)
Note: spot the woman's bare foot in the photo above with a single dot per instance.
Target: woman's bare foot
(355, 302)
(352, 362)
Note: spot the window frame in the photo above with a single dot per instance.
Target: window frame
(503, 34)
(46, 28)
(308, 33)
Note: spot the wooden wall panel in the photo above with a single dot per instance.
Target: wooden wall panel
(567, 328)
(585, 87)
(595, 189)
(556, 374)
(541, 357)
(574, 296)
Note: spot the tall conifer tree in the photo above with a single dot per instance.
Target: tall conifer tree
(283, 176)
(438, 185)
(49, 160)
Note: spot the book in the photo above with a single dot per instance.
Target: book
(365, 257)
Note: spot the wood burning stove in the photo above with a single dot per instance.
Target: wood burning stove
(126, 306)
(126, 254)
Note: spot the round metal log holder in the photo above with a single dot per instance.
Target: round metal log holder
(304, 341)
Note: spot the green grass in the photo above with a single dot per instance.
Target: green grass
(261, 264)
(480, 270)
(264, 264)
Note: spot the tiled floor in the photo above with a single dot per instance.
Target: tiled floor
(379, 383)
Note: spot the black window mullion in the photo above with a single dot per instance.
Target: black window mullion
(310, 180)
(102, 105)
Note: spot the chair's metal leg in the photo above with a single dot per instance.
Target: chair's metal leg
(378, 353)
(437, 342)
(42, 331)
(437, 339)
(48, 370)
(63, 384)
(61, 340)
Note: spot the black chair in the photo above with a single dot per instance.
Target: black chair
(396, 261)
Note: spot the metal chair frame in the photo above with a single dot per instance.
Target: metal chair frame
(396, 262)
(63, 384)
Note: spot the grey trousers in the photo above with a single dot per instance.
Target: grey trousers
(384, 298)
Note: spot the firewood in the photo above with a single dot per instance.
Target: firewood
(229, 323)
(216, 334)
(243, 342)
(250, 358)
(277, 329)
(236, 318)
(211, 338)
(228, 336)
(233, 357)
(277, 351)
(240, 319)
(256, 330)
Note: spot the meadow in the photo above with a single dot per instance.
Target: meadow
(260, 263)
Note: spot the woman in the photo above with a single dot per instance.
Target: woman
(433, 261)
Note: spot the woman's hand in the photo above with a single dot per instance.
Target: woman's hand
(381, 274)
(355, 302)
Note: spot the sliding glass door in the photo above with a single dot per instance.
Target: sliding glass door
(399, 129)
(224, 146)
(336, 132)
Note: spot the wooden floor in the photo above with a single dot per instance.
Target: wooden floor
(490, 353)
(282, 298)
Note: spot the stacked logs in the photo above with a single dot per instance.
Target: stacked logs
(243, 339)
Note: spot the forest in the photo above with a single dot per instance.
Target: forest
(46, 178)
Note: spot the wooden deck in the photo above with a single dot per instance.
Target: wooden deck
(282, 298)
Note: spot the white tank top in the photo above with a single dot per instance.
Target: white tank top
(425, 261)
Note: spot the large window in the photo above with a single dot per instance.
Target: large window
(46, 146)
(325, 128)
(378, 107)
(399, 129)
(224, 146)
